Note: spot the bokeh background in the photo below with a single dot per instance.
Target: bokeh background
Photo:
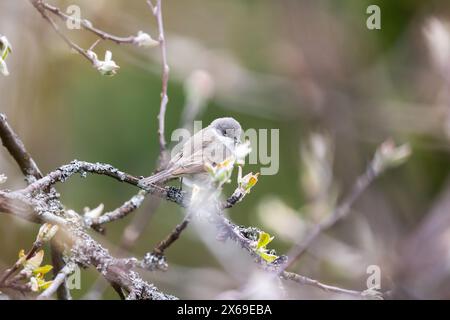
(311, 69)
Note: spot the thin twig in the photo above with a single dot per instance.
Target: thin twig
(157, 12)
(119, 213)
(173, 235)
(311, 282)
(39, 5)
(88, 26)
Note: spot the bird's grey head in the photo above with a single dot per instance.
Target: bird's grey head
(227, 127)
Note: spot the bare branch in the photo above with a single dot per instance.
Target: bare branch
(17, 149)
(119, 213)
(157, 12)
(311, 282)
(173, 235)
(88, 26)
(39, 5)
(63, 292)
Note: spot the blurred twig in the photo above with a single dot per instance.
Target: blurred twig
(386, 156)
(339, 213)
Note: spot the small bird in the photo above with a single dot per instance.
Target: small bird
(209, 146)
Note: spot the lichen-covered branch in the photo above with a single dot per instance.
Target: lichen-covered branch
(119, 213)
(38, 203)
(302, 280)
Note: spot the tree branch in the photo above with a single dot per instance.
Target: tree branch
(173, 235)
(37, 203)
(157, 12)
(39, 5)
(88, 26)
(17, 150)
(119, 213)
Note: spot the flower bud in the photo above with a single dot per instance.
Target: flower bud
(145, 40)
(388, 155)
(46, 232)
(248, 181)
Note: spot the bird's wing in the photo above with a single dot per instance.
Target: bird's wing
(192, 157)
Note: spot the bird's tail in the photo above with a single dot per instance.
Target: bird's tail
(158, 177)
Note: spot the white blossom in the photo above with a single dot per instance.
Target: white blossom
(94, 213)
(389, 155)
(47, 232)
(107, 67)
(145, 40)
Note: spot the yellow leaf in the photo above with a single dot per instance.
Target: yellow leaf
(43, 270)
(267, 256)
(264, 240)
(226, 163)
(21, 254)
(252, 181)
(45, 285)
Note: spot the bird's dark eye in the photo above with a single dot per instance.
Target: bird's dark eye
(224, 132)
